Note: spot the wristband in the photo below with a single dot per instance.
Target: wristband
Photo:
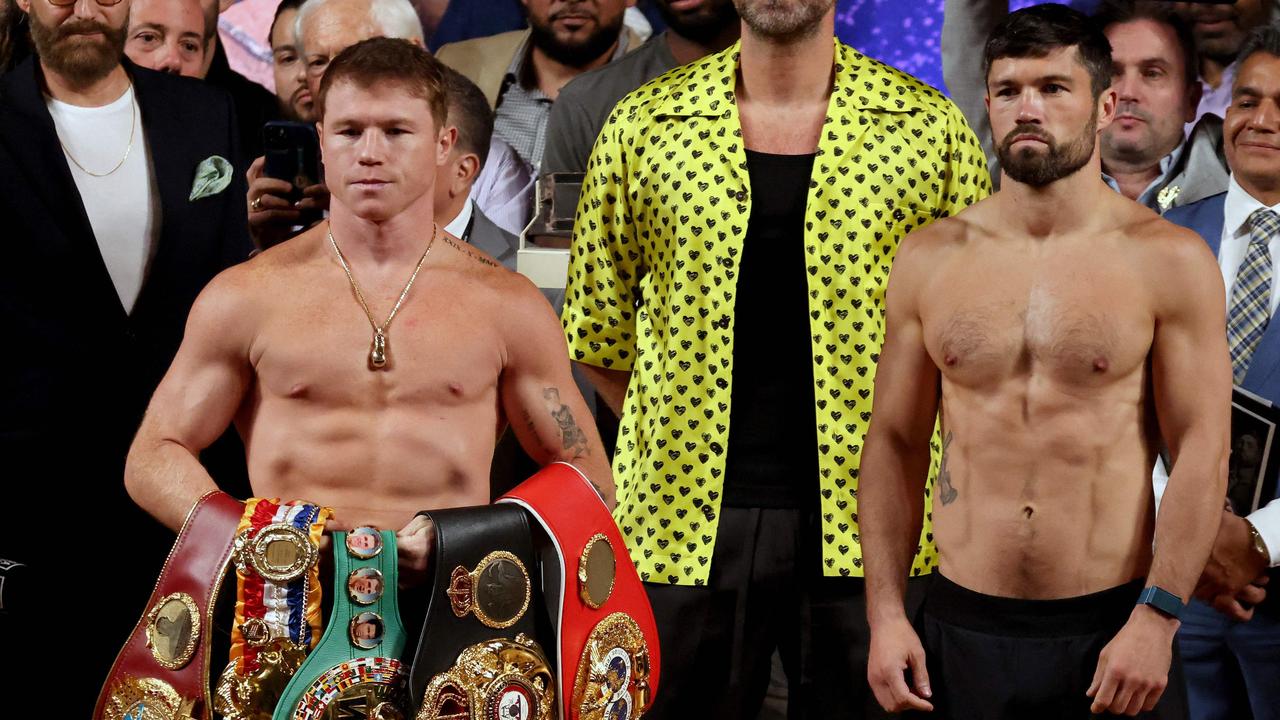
(163, 669)
(1163, 601)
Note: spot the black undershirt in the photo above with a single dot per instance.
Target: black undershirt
(772, 450)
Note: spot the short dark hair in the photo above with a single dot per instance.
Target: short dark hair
(470, 113)
(1038, 30)
(284, 6)
(1262, 39)
(1120, 12)
(388, 60)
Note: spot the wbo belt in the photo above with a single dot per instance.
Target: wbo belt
(606, 654)
(278, 596)
(163, 670)
(355, 671)
(477, 657)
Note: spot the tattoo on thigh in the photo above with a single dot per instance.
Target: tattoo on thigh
(571, 436)
(946, 491)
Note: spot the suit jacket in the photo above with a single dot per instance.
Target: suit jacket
(79, 369)
(1263, 378)
(485, 60)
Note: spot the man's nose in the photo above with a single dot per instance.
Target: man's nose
(168, 59)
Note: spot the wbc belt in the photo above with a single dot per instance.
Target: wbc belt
(163, 670)
(477, 657)
(607, 655)
(278, 597)
(355, 671)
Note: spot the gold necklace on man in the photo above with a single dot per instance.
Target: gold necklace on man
(378, 351)
(133, 120)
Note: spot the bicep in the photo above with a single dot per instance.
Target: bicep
(205, 384)
(906, 388)
(1190, 365)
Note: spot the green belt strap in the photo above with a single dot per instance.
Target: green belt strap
(340, 678)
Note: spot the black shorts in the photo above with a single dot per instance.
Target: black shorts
(1003, 658)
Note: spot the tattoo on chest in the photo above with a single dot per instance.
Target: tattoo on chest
(462, 248)
(946, 491)
(571, 436)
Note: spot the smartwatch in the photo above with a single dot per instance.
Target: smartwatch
(1162, 600)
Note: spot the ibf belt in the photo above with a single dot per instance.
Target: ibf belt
(482, 594)
(355, 671)
(163, 670)
(606, 653)
(278, 595)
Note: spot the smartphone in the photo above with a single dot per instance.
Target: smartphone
(292, 152)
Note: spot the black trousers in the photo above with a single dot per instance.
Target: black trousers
(765, 592)
(1000, 658)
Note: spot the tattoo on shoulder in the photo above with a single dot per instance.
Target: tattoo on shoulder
(572, 437)
(463, 248)
(946, 491)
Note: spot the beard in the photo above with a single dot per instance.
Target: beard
(1060, 160)
(79, 58)
(783, 20)
(703, 25)
(574, 53)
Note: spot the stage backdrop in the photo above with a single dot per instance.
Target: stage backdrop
(905, 33)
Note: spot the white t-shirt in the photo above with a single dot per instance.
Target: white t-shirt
(123, 207)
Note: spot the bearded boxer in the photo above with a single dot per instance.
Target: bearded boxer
(370, 363)
(1065, 329)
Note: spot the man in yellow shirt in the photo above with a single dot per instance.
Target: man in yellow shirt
(732, 246)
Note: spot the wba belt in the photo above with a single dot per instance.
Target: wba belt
(355, 671)
(163, 670)
(606, 653)
(278, 595)
(477, 657)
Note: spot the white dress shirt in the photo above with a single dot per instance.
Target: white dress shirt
(1235, 242)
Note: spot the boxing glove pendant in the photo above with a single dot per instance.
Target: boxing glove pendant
(378, 353)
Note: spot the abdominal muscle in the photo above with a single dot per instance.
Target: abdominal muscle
(375, 467)
(1051, 492)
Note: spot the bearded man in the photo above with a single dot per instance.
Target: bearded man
(521, 72)
(119, 204)
(1063, 332)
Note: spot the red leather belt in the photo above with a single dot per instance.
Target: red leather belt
(164, 667)
(607, 656)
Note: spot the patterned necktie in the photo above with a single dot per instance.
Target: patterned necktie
(1250, 306)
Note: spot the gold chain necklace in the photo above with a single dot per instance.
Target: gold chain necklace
(378, 351)
(133, 118)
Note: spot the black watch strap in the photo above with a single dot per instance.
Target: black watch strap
(1162, 600)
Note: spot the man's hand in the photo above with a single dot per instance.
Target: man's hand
(1240, 606)
(413, 547)
(895, 648)
(272, 216)
(1233, 563)
(1133, 669)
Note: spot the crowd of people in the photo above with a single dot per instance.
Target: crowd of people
(911, 401)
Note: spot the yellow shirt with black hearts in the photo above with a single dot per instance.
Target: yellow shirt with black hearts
(657, 238)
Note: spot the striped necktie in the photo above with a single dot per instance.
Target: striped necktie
(1250, 306)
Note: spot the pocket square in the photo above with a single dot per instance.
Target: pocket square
(212, 177)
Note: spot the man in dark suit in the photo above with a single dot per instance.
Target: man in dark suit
(1234, 642)
(119, 204)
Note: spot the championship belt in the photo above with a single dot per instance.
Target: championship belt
(355, 671)
(606, 655)
(163, 670)
(476, 658)
(278, 595)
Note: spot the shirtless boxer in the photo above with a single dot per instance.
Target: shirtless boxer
(282, 346)
(1057, 321)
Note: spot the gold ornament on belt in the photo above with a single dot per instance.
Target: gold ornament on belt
(497, 592)
(613, 673)
(147, 699)
(255, 697)
(495, 680)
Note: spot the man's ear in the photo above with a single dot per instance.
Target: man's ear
(1196, 90)
(418, 42)
(320, 137)
(24, 6)
(444, 145)
(469, 167)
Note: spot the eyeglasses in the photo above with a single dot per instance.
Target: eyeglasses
(69, 3)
